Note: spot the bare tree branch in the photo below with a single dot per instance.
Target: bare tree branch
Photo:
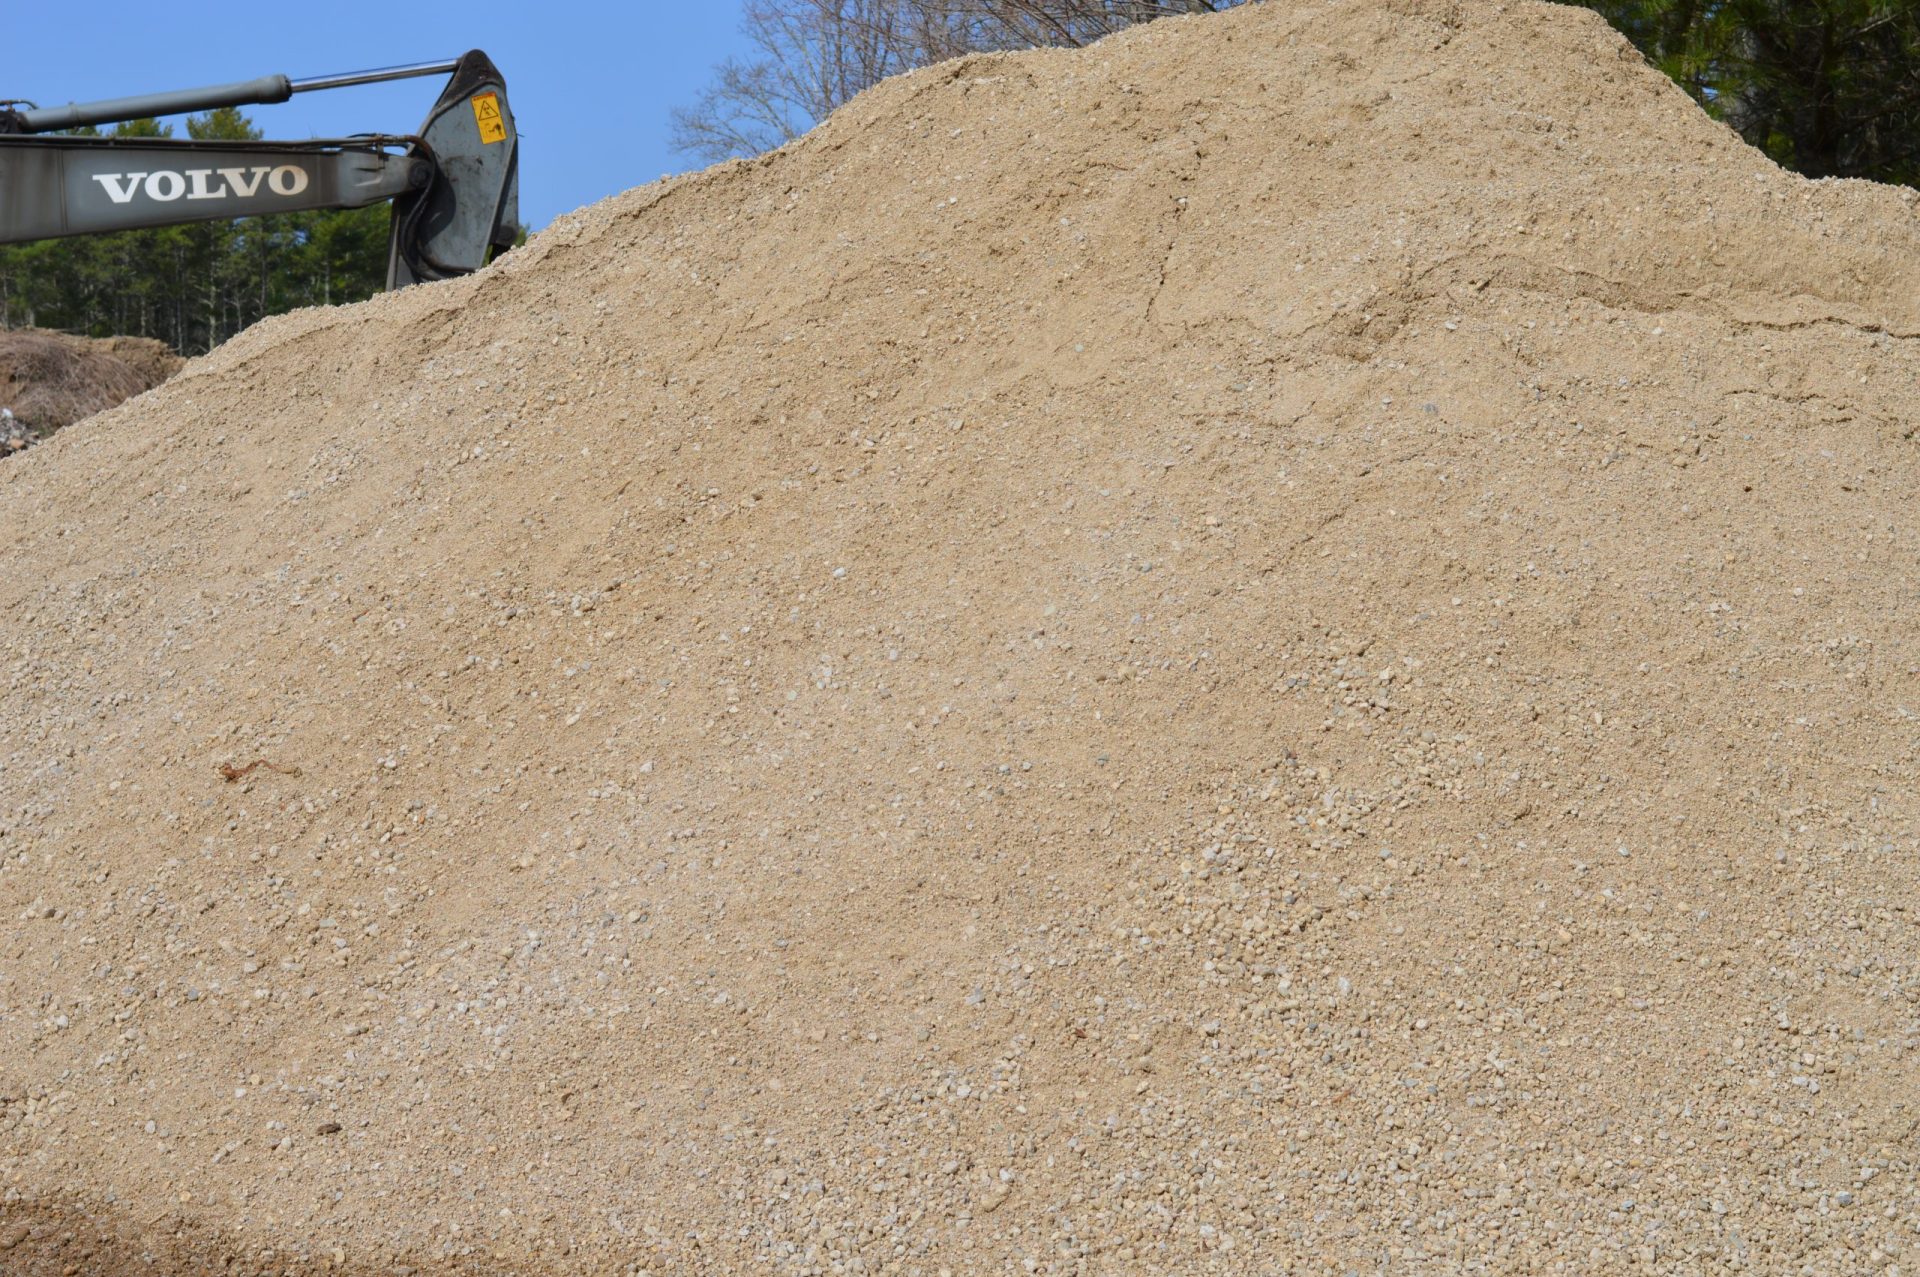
(812, 56)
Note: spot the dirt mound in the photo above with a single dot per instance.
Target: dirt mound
(49, 380)
(1283, 643)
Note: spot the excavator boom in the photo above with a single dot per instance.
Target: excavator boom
(454, 185)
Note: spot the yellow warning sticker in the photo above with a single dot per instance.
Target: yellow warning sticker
(486, 113)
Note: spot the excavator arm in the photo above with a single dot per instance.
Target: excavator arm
(454, 185)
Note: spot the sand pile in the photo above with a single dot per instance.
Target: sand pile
(50, 380)
(1285, 642)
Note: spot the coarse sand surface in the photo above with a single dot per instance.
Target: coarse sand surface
(1286, 644)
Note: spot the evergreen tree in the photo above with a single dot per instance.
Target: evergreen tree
(1830, 88)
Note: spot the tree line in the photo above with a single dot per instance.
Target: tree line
(194, 286)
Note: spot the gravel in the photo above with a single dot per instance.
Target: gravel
(441, 721)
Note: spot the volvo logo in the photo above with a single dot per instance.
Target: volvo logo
(166, 185)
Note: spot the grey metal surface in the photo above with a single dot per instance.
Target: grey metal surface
(378, 75)
(473, 205)
(51, 119)
(265, 90)
(51, 187)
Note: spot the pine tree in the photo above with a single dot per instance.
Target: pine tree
(1830, 88)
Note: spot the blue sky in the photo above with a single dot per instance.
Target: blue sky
(590, 84)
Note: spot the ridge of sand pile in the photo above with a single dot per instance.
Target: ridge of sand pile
(1285, 641)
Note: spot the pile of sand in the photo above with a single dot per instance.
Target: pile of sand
(50, 380)
(1288, 641)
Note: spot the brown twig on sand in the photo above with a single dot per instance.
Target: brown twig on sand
(233, 773)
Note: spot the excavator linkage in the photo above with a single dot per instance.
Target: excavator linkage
(471, 207)
(454, 186)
